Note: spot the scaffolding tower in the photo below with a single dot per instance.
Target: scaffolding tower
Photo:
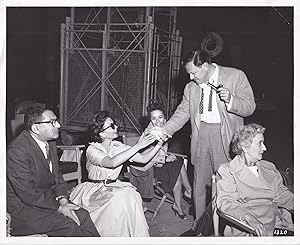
(118, 59)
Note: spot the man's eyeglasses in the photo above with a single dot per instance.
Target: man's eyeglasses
(53, 122)
(112, 125)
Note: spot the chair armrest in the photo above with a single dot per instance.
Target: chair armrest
(184, 157)
(238, 223)
(177, 154)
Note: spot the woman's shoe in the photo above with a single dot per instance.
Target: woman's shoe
(181, 216)
(188, 194)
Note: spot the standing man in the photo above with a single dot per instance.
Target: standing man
(215, 112)
(36, 191)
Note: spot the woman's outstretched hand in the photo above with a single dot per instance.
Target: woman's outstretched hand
(159, 134)
(145, 140)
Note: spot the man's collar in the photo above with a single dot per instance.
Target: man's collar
(214, 77)
(41, 143)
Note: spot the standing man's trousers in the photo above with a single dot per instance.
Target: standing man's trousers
(210, 155)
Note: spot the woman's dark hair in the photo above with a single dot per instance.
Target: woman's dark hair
(34, 114)
(198, 57)
(155, 106)
(96, 125)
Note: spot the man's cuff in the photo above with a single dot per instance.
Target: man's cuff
(166, 133)
(62, 200)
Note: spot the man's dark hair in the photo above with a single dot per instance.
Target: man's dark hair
(198, 57)
(34, 114)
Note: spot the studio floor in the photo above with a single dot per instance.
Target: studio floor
(166, 223)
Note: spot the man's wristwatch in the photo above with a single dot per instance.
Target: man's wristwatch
(61, 197)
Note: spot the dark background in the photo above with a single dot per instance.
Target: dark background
(258, 40)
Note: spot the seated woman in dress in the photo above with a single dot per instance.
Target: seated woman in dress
(115, 206)
(168, 169)
(250, 188)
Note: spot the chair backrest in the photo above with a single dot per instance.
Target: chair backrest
(17, 123)
(288, 178)
(71, 155)
(130, 139)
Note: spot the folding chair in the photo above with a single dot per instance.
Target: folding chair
(158, 189)
(160, 193)
(70, 162)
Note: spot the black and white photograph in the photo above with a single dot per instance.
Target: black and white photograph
(149, 123)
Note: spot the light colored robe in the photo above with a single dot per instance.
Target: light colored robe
(239, 192)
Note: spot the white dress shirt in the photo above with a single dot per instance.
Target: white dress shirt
(214, 115)
(210, 116)
(42, 145)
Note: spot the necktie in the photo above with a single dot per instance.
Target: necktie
(48, 156)
(210, 100)
(201, 102)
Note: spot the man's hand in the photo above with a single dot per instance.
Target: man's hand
(171, 158)
(159, 133)
(224, 94)
(68, 210)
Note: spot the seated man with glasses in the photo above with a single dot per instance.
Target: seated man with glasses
(115, 206)
(36, 191)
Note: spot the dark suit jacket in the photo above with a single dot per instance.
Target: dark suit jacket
(31, 188)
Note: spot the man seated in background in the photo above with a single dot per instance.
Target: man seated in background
(251, 189)
(37, 198)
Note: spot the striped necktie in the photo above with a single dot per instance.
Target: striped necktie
(201, 101)
(210, 100)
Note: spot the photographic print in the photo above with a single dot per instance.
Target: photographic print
(149, 123)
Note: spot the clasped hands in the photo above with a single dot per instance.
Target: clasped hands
(68, 210)
(159, 133)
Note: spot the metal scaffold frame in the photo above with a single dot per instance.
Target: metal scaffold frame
(112, 60)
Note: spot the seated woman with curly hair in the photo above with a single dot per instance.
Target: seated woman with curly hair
(115, 206)
(251, 189)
